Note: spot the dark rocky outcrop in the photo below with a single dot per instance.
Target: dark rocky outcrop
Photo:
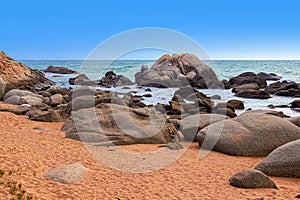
(178, 71)
(226, 84)
(246, 78)
(284, 88)
(113, 80)
(269, 76)
(236, 104)
(251, 179)
(59, 70)
(253, 94)
(295, 104)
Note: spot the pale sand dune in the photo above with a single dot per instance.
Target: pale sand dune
(32, 152)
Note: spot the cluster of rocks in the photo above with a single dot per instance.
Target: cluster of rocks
(109, 80)
(107, 118)
(251, 85)
(48, 105)
(284, 88)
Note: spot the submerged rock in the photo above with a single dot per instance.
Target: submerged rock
(59, 70)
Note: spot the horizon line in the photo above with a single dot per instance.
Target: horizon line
(218, 59)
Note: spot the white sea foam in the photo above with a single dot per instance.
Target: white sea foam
(289, 70)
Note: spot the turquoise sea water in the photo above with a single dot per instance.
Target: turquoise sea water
(225, 69)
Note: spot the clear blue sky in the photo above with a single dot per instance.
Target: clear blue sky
(227, 29)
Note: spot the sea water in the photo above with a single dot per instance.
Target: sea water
(225, 69)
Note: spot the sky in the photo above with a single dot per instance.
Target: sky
(226, 29)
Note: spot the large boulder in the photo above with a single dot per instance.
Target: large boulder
(113, 80)
(17, 92)
(190, 125)
(251, 179)
(59, 70)
(31, 100)
(67, 174)
(253, 94)
(18, 75)
(284, 88)
(283, 161)
(248, 77)
(18, 97)
(177, 71)
(253, 133)
(109, 124)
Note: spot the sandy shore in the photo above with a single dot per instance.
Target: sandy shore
(30, 153)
